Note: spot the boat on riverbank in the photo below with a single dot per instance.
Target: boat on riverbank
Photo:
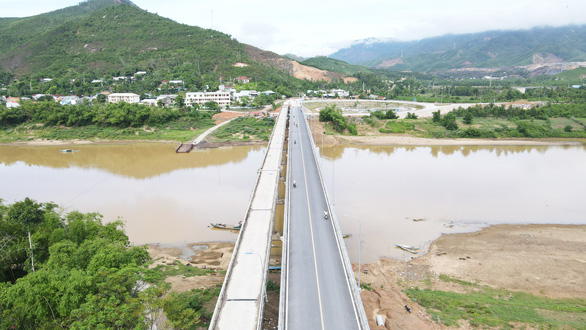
(411, 249)
(226, 226)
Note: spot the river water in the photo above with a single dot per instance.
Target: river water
(171, 198)
(449, 189)
(162, 196)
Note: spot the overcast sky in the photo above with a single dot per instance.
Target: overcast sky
(311, 28)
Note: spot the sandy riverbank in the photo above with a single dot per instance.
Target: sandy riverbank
(208, 255)
(544, 260)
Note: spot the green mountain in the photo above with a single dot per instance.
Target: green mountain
(101, 39)
(16, 31)
(493, 49)
(109, 38)
(330, 64)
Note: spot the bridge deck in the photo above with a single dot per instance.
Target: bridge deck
(318, 288)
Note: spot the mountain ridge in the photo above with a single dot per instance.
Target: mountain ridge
(489, 49)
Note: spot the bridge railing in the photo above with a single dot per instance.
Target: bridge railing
(285, 247)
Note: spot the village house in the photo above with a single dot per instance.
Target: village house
(339, 92)
(70, 100)
(123, 97)
(166, 100)
(251, 94)
(242, 79)
(227, 88)
(149, 102)
(38, 96)
(222, 98)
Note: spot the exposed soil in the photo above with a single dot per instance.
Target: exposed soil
(294, 68)
(211, 255)
(544, 260)
(224, 116)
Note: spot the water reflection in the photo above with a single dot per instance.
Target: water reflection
(136, 160)
(163, 197)
(336, 152)
(452, 188)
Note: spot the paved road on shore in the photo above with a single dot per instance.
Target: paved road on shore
(318, 292)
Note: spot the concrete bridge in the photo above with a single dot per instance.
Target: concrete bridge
(318, 288)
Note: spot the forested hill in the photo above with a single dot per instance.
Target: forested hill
(17, 31)
(105, 38)
(118, 37)
(493, 49)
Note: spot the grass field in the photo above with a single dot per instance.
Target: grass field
(485, 307)
(245, 129)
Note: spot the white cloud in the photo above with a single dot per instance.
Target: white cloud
(309, 28)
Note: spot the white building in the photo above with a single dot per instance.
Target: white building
(251, 94)
(149, 102)
(227, 88)
(123, 97)
(222, 98)
(340, 92)
(69, 100)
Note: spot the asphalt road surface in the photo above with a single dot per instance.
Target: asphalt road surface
(318, 293)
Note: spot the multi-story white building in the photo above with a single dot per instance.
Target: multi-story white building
(126, 97)
(222, 98)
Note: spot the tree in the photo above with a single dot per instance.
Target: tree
(334, 115)
(101, 98)
(449, 122)
(468, 118)
(27, 213)
(179, 101)
(391, 114)
(437, 116)
(212, 105)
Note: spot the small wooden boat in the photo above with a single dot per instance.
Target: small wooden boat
(346, 235)
(226, 226)
(411, 249)
(67, 150)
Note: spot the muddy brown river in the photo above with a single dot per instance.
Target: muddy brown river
(162, 196)
(411, 195)
(402, 195)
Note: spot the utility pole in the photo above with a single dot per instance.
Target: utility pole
(30, 244)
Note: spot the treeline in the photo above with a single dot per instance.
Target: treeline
(515, 122)
(548, 111)
(84, 274)
(119, 115)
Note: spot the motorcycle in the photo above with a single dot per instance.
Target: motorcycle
(326, 215)
(294, 184)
